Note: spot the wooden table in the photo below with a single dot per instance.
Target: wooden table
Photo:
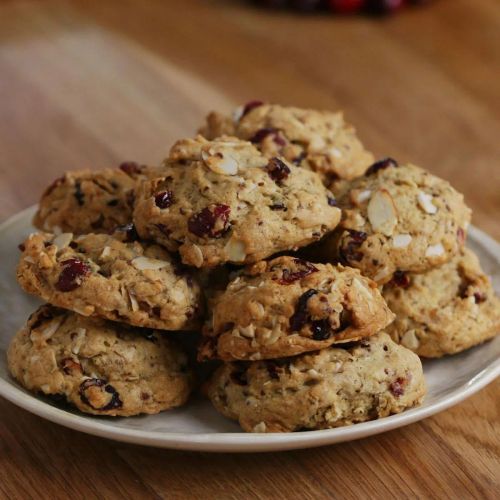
(96, 83)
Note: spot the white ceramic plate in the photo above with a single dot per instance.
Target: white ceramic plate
(197, 426)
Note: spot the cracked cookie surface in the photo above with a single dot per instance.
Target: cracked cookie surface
(397, 218)
(97, 275)
(445, 310)
(333, 387)
(223, 201)
(317, 140)
(99, 366)
(288, 306)
(90, 201)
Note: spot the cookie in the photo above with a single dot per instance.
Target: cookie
(98, 366)
(341, 385)
(288, 306)
(90, 201)
(317, 140)
(223, 201)
(445, 310)
(397, 218)
(97, 275)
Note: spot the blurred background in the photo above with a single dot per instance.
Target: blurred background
(91, 84)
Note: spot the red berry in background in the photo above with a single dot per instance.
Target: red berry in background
(346, 6)
(383, 6)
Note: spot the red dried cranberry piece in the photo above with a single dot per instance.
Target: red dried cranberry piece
(164, 199)
(300, 316)
(21, 247)
(288, 277)
(212, 221)
(251, 105)
(349, 252)
(380, 165)
(321, 329)
(401, 279)
(114, 402)
(130, 168)
(72, 274)
(460, 236)
(262, 133)
(346, 6)
(277, 170)
(479, 297)
(398, 387)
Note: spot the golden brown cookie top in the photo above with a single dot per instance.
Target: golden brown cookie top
(287, 306)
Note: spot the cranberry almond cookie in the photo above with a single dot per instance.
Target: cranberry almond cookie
(86, 201)
(397, 218)
(445, 310)
(317, 140)
(101, 367)
(337, 386)
(97, 275)
(288, 306)
(223, 201)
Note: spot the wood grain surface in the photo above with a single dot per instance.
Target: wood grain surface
(90, 84)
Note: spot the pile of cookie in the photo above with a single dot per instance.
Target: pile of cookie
(314, 276)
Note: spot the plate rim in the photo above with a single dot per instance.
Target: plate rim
(241, 441)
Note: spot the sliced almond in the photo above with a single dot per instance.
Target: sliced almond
(401, 240)
(260, 427)
(434, 250)
(317, 143)
(220, 163)
(49, 330)
(383, 273)
(382, 212)
(248, 331)
(133, 301)
(335, 152)
(145, 264)
(197, 255)
(235, 250)
(238, 113)
(362, 196)
(410, 340)
(106, 251)
(62, 240)
(425, 202)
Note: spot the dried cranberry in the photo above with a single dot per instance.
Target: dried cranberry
(380, 165)
(21, 247)
(460, 236)
(332, 201)
(78, 194)
(212, 221)
(300, 316)
(251, 105)
(277, 170)
(306, 268)
(398, 386)
(130, 168)
(346, 6)
(349, 252)
(479, 297)
(321, 329)
(262, 133)
(164, 199)
(400, 279)
(72, 274)
(114, 402)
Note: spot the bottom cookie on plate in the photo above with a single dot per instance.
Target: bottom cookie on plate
(445, 310)
(101, 367)
(340, 385)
